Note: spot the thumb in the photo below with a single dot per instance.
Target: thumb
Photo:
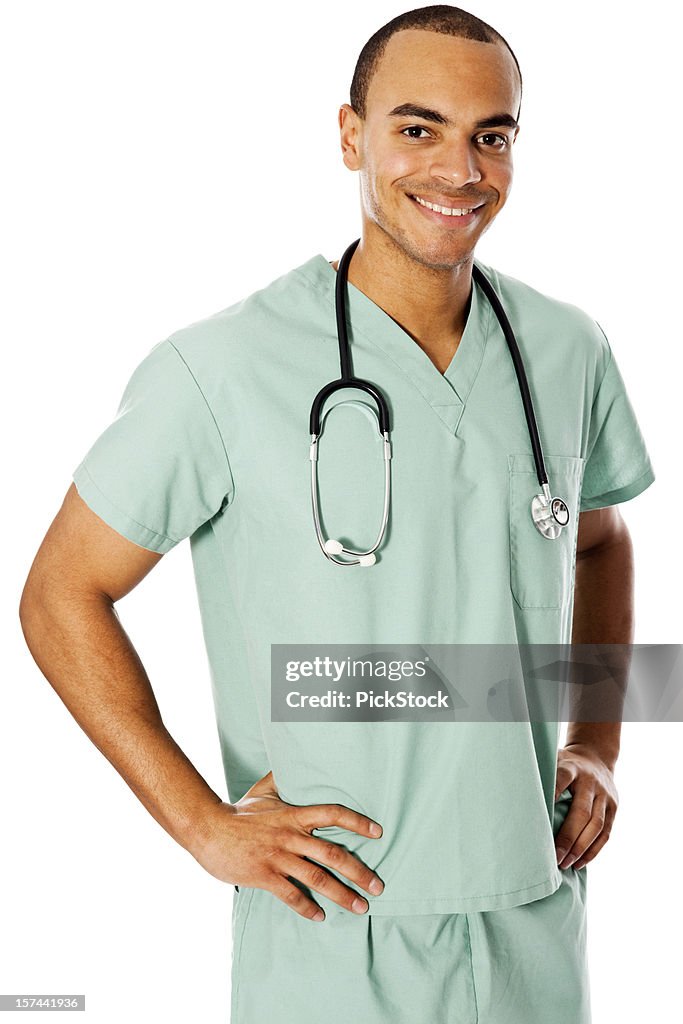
(264, 787)
(562, 779)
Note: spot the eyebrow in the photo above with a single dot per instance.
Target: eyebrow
(415, 110)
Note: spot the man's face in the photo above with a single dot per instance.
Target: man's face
(462, 164)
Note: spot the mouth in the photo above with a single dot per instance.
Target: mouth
(447, 214)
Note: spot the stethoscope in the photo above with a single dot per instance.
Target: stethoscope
(550, 515)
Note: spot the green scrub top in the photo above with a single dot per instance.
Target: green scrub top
(211, 442)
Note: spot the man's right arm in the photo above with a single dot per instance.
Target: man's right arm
(73, 631)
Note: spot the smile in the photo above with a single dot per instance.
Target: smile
(447, 211)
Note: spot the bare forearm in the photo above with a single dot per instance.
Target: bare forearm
(603, 614)
(82, 649)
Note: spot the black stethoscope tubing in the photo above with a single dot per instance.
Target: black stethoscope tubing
(347, 379)
(506, 327)
(550, 515)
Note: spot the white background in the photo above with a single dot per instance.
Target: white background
(162, 161)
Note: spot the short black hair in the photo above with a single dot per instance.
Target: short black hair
(444, 18)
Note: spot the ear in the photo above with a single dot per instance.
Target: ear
(350, 136)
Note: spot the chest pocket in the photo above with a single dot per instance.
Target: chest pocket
(542, 570)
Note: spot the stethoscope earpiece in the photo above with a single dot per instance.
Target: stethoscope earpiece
(335, 547)
(550, 515)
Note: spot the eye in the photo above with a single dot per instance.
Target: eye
(413, 128)
(503, 141)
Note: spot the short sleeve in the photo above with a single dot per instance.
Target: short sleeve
(618, 466)
(160, 469)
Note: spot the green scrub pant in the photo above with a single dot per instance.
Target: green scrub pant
(523, 965)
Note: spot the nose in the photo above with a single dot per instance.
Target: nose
(456, 162)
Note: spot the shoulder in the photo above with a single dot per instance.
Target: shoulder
(268, 312)
(548, 319)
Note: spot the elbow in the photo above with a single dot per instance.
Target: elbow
(31, 607)
(41, 599)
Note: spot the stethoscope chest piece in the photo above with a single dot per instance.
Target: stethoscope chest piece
(550, 515)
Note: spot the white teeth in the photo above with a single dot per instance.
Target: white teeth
(449, 211)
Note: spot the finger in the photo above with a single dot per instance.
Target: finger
(317, 878)
(563, 778)
(339, 859)
(592, 851)
(310, 816)
(586, 836)
(295, 899)
(598, 826)
(596, 846)
(579, 814)
(559, 788)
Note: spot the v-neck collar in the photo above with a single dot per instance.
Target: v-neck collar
(446, 392)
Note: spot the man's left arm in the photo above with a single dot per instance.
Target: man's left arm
(603, 614)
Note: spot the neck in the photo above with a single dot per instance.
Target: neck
(430, 304)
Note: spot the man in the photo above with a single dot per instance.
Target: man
(449, 880)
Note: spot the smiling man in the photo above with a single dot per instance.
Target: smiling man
(385, 871)
(435, 174)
